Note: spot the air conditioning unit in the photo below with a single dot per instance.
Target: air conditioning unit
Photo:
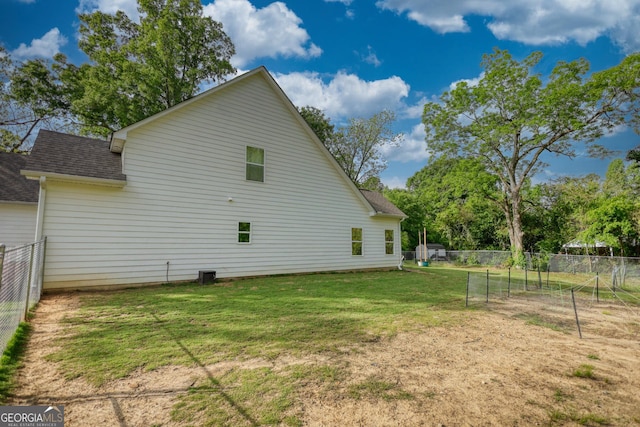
(206, 276)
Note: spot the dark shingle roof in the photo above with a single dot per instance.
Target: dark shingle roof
(381, 204)
(61, 153)
(13, 186)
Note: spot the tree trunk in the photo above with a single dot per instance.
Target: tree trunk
(514, 222)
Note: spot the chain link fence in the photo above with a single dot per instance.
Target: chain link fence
(21, 273)
(617, 270)
(554, 290)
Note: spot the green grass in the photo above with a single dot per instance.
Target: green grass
(11, 360)
(584, 371)
(377, 388)
(116, 333)
(240, 397)
(557, 416)
(538, 320)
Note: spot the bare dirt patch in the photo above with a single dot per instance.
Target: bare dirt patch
(494, 368)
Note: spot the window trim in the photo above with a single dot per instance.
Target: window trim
(240, 232)
(391, 242)
(247, 163)
(355, 242)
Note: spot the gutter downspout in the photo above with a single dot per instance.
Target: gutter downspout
(41, 205)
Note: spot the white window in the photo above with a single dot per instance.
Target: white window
(388, 242)
(244, 232)
(356, 241)
(255, 164)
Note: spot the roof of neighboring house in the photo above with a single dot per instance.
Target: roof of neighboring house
(62, 154)
(381, 204)
(13, 186)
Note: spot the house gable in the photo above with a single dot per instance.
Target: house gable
(119, 138)
(187, 204)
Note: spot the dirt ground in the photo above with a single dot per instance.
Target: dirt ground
(495, 368)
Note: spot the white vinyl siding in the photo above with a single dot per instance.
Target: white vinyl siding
(186, 194)
(17, 223)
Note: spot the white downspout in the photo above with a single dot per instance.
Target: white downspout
(41, 204)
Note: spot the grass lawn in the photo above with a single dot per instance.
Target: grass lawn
(314, 319)
(115, 333)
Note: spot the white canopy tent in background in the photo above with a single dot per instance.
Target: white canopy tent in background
(579, 244)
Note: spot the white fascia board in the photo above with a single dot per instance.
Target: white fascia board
(74, 178)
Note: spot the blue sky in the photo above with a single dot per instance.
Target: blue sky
(353, 58)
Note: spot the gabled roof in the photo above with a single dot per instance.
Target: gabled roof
(381, 204)
(13, 186)
(64, 156)
(377, 203)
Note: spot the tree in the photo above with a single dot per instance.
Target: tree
(32, 96)
(453, 193)
(139, 69)
(319, 123)
(357, 146)
(408, 202)
(560, 214)
(510, 119)
(615, 222)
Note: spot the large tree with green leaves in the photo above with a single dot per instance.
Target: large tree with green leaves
(454, 194)
(139, 69)
(513, 116)
(32, 96)
(356, 146)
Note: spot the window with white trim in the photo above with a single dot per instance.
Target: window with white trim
(244, 232)
(255, 164)
(356, 241)
(388, 242)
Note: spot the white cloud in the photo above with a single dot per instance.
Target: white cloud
(44, 47)
(395, 182)
(470, 82)
(130, 7)
(371, 57)
(344, 95)
(272, 31)
(534, 22)
(412, 147)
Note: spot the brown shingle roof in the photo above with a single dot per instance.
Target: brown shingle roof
(61, 153)
(13, 186)
(381, 204)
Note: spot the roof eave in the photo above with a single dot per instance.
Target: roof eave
(77, 179)
(387, 215)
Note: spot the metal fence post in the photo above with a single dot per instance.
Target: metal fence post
(466, 302)
(487, 286)
(2, 249)
(26, 303)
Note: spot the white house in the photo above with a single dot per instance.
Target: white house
(18, 202)
(232, 180)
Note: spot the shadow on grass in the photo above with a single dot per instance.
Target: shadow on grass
(214, 382)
